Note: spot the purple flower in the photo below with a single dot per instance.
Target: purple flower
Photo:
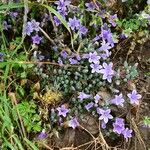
(98, 37)
(105, 54)
(95, 68)
(35, 25)
(90, 6)
(73, 61)
(107, 71)
(62, 111)
(82, 96)
(97, 98)
(105, 46)
(93, 57)
(13, 14)
(127, 133)
(134, 97)
(76, 56)
(74, 23)
(36, 39)
(82, 31)
(1, 57)
(104, 114)
(118, 125)
(112, 19)
(60, 61)
(42, 135)
(28, 28)
(73, 123)
(64, 54)
(107, 36)
(118, 100)
(57, 21)
(103, 125)
(61, 6)
(89, 105)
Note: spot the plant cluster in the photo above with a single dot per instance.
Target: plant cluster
(68, 46)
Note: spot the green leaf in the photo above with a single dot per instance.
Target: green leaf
(18, 142)
(32, 145)
(11, 6)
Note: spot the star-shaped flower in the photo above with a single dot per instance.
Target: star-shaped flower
(35, 25)
(74, 23)
(82, 31)
(93, 57)
(73, 123)
(90, 6)
(104, 114)
(118, 100)
(118, 125)
(134, 97)
(105, 46)
(36, 39)
(95, 68)
(28, 28)
(62, 111)
(107, 71)
(127, 133)
(83, 96)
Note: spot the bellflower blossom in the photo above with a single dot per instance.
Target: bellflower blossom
(82, 31)
(105, 55)
(118, 125)
(83, 96)
(105, 46)
(107, 36)
(96, 68)
(57, 21)
(13, 14)
(42, 135)
(89, 105)
(134, 97)
(64, 54)
(97, 98)
(118, 100)
(28, 28)
(112, 19)
(107, 71)
(62, 111)
(93, 57)
(31, 26)
(73, 123)
(74, 23)
(104, 114)
(60, 62)
(62, 6)
(98, 37)
(73, 61)
(127, 133)
(36, 39)
(35, 25)
(90, 6)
